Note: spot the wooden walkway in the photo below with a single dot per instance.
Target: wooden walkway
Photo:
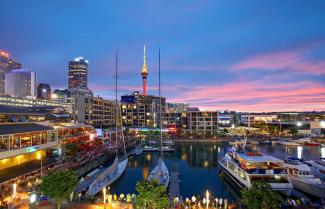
(174, 185)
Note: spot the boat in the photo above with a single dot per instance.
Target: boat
(303, 140)
(168, 142)
(167, 149)
(303, 179)
(237, 142)
(244, 167)
(318, 168)
(160, 173)
(150, 149)
(138, 151)
(288, 143)
(110, 174)
(265, 142)
(312, 144)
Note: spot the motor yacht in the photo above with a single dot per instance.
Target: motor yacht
(244, 167)
(303, 179)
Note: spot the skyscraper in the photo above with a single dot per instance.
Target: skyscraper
(78, 73)
(144, 73)
(6, 65)
(44, 91)
(20, 83)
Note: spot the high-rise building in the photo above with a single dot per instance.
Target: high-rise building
(6, 65)
(78, 73)
(141, 111)
(144, 73)
(44, 91)
(20, 83)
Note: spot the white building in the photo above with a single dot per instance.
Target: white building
(21, 83)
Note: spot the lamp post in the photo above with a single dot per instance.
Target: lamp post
(104, 195)
(207, 198)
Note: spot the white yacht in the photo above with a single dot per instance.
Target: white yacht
(160, 172)
(318, 168)
(245, 167)
(288, 143)
(303, 179)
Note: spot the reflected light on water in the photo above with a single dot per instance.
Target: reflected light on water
(148, 157)
(218, 149)
(184, 156)
(145, 172)
(322, 150)
(206, 164)
(299, 152)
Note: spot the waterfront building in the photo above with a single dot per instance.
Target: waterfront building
(144, 73)
(21, 83)
(78, 73)
(44, 91)
(227, 119)
(29, 102)
(317, 127)
(141, 111)
(24, 142)
(6, 65)
(174, 121)
(252, 119)
(201, 121)
(61, 95)
(177, 107)
(92, 110)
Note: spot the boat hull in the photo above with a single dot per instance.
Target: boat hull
(317, 190)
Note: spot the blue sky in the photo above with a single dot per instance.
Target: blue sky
(237, 55)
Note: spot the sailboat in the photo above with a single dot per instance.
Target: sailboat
(160, 172)
(114, 171)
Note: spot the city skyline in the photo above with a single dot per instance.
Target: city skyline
(243, 57)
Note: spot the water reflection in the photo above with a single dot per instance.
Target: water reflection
(299, 152)
(322, 152)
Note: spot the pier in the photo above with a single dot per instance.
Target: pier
(174, 185)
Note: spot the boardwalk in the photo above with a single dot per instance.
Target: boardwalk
(174, 185)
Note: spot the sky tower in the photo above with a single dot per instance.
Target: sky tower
(144, 72)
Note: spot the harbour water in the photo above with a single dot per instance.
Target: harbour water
(199, 169)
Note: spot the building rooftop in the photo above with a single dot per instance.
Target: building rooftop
(22, 128)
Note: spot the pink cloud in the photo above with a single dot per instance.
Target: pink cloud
(292, 61)
(257, 96)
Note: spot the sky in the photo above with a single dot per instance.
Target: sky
(242, 55)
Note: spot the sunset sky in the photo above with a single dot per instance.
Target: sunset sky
(241, 55)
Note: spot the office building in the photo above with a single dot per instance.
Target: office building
(61, 95)
(141, 111)
(31, 103)
(78, 73)
(21, 83)
(6, 65)
(201, 121)
(95, 111)
(43, 91)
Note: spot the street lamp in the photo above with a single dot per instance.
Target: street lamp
(104, 194)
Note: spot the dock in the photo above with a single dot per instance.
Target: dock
(174, 185)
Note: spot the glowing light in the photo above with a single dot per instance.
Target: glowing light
(39, 156)
(207, 198)
(54, 96)
(322, 150)
(91, 137)
(299, 152)
(32, 198)
(14, 190)
(299, 124)
(322, 124)
(104, 197)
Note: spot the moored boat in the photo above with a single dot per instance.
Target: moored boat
(312, 144)
(245, 167)
(303, 179)
(160, 172)
(318, 168)
(288, 143)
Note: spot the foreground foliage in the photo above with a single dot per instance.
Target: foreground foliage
(151, 195)
(261, 196)
(59, 185)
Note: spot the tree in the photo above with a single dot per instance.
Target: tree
(151, 195)
(261, 196)
(59, 185)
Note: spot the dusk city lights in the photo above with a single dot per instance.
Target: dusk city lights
(162, 104)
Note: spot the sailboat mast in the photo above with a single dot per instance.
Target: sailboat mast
(116, 107)
(160, 123)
